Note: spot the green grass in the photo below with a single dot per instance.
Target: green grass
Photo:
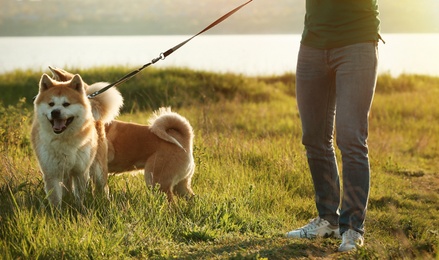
(252, 180)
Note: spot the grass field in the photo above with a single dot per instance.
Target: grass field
(252, 180)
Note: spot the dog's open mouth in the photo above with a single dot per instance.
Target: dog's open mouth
(59, 125)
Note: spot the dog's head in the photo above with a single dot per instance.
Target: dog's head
(61, 104)
(105, 106)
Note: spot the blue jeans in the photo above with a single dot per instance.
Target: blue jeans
(335, 89)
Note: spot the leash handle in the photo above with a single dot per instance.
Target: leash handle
(165, 54)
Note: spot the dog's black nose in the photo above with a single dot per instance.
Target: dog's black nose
(55, 113)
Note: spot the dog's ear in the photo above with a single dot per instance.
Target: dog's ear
(45, 83)
(77, 84)
(60, 75)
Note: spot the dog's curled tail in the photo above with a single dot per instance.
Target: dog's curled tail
(105, 106)
(164, 120)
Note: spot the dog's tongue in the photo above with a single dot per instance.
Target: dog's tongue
(59, 124)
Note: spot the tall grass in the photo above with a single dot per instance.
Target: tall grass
(252, 180)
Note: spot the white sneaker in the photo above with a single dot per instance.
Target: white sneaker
(317, 227)
(351, 239)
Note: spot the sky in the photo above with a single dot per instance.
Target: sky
(143, 17)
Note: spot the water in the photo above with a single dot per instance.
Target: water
(243, 54)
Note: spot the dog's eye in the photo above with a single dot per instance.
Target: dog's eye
(51, 104)
(65, 104)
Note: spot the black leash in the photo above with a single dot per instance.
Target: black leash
(165, 54)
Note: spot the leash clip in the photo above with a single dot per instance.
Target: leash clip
(93, 95)
(161, 57)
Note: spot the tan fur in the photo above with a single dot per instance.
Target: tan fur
(69, 139)
(163, 148)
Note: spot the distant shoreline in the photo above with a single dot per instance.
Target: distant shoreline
(248, 54)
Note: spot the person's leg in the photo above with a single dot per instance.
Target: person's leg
(356, 74)
(315, 92)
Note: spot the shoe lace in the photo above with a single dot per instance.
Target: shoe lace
(314, 223)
